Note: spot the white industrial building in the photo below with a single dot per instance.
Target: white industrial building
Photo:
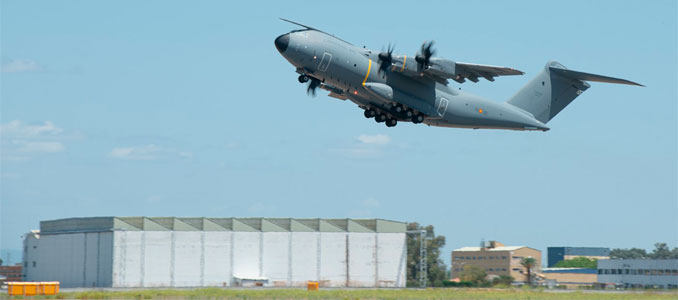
(639, 273)
(194, 252)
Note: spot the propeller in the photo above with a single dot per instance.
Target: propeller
(424, 56)
(314, 84)
(386, 58)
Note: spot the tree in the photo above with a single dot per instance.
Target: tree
(435, 266)
(578, 262)
(474, 274)
(661, 251)
(528, 263)
(1, 261)
(633, 253)
(503, 279)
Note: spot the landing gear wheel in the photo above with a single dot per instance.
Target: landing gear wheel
(417, 119)
(398, 108)
(391, 122)
(408, 113)
(380, 118)
(370, 113)
(303, 78)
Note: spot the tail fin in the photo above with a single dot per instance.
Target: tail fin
(554, 88)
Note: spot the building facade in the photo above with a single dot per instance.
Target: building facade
(556, 254)
(570, 278)
(496, 259)
(639, 273)
(192, 252)
(11, 273)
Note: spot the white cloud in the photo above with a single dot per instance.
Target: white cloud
(365, 146)
(44, 147)
(147, 152)
(17, 129)
(20, 141)
(377, 139)
(20, 65)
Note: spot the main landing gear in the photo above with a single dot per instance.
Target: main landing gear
(390, 120)
(303, 78)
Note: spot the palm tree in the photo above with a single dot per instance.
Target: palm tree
(528, 263)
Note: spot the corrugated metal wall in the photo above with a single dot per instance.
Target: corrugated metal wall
(200, 258)
(191, 252)
(76, 260)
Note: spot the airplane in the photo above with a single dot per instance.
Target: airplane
(395, 88)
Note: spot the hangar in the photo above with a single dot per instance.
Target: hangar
(194, 252)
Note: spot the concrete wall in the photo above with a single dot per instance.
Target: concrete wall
(572, 280)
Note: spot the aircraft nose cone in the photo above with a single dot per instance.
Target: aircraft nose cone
(282, 42)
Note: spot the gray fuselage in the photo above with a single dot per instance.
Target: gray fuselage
(353, 73)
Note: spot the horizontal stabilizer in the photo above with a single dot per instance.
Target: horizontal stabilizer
(591, 77)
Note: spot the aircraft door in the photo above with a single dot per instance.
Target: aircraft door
(442, 106)
(325, 62)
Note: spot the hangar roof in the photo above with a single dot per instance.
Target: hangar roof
(97, 224)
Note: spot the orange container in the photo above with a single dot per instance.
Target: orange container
(312, 286)
(22, 288)
(49, 288)
(15, 288)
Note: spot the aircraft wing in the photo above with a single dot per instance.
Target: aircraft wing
(474, 71)
(440, 69)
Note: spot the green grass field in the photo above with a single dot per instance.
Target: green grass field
(214, 293)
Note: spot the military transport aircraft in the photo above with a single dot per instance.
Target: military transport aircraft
(392, 88)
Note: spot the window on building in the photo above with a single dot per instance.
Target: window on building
(675, 272)
(33, 264)
(626, 271)
(468, 257)
(503, 269)
(491, 269)
(653, 272)
(646, 271)
(474, 257)
(607, 271)
(490, 257)
(613, 271)
(619, 271)
(600, 271)
(667, 272)
(503, 257)
(25, 264)
(660, 272)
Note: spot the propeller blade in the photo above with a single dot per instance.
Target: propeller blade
(386, 58)
(312, 86)
(424, 56)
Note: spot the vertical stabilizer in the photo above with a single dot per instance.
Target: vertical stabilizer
(554, 88)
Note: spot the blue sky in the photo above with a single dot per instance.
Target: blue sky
(165, 108)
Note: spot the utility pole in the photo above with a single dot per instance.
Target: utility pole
(423, 265)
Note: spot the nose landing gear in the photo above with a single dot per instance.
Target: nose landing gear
(303, 78)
